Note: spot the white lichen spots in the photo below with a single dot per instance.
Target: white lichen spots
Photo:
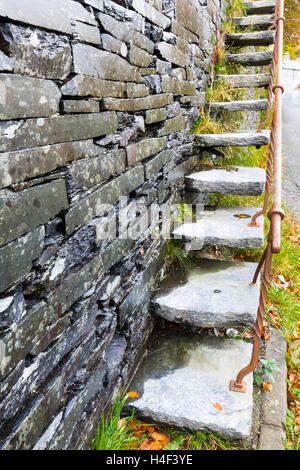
(58, 269)
(40, 122)
(10, 131)
(4, 358)
(43, 100)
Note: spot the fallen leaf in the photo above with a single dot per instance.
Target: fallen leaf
(268, 386)
(156, 446)
(297, 420)
(145, 445)
(133, 394)
(162, 438)
(121, 423)
(218, 406)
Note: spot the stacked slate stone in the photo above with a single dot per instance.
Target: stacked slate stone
(96, 102)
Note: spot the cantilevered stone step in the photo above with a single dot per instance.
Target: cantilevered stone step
(260, 7)
(245, 181)
(251, 58)
(260, 38)
(246, 81)
(185, 376)
(224, 226)
(258, 21)
(237, 139)
(247, 105)
(212, 294)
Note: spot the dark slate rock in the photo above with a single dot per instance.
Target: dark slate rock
(12, 309)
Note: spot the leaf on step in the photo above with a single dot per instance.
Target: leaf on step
(218, 406)
(268, 386)
(132, 394)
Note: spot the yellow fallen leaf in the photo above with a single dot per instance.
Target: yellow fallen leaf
(133, 394)
(268, 386)
(218, 406)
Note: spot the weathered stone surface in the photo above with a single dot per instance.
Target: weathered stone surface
(86, 174)
(156, 115)
(96, 203)
(137, 91)
(24, 211)
(151, 13)
(20, 165)
(18, 342)
(247, 105)
(12, 309)
(37, 53)
(259, 21)
(225, 226)
(178, 87)
(188, 16)
(6, 64)
(154, 165)
(251, 58)
(82, 106)
(10, 380)
(144, 149)
(22, 97)
(138, 104)
(16, 257)
(55, 16)
(261, 6)
(246, 81)
(87, 33)
(89, 60)
(213, 294)
(184, 33)
(172, 54)
(82, 85)
(238, 139)
(139, 57)
(239, 180)
(124, 33)
(264, 38)
(207, 365)
(45, 131)
(175, 124)
(271, 438)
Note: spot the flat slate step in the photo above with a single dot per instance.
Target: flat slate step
(236, 139)
(246, 105)
(246, 81)
(245, 181)
(185, 376)
(215, 294)
(260, 38)
(224, 226)
(260, 7)
(258, 21)
(251, 58)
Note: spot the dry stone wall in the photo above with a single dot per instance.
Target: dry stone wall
(97, 98)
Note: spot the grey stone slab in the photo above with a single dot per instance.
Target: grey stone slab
(172, 54)
(156, 115)
(189, 16)
(246, 81)
(144, 149)
(37, 53)
(259, 21)
(54, 16)
(237, 139)
(81, 106)
(139, 57)
(239, 180)
(185, 376)
(89, 60)
(23, 97)
(156, 163)
(271, 438)
(260, 38)
(175, 124)
(45, 131)
(135, 90)
(87, 33)
(6, 63)
(225, 226)
(154, 15)
(16, 258)
(138, 104)
(19, 165)
(213, 294)
(261, 6)
(246, 105)
(178, 87)
(82, 85)
(96, 203)
(251, 58)
(111, 44)
(23, 211)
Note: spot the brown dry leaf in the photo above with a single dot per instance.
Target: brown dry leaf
(145, 445)
(132, 394)
(218, 406)
(162, 438)
(268, 386)
(142, 251)
(267, 337)
(156, 446)
(297, 420)
(248, 335)
(121, 423)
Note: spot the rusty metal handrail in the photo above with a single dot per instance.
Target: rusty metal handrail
(276, 214)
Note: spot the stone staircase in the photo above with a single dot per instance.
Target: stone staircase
(184, 379)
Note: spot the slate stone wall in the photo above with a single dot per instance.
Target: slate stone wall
(97, 98)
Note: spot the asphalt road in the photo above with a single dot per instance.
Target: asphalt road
(291, 150)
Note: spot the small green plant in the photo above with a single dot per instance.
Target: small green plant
(267, 369)
(291, 441)
(111, 435)
(178, 257)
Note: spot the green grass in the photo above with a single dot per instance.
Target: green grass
(188, 440)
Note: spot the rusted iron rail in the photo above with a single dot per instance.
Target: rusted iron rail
(276, 214)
